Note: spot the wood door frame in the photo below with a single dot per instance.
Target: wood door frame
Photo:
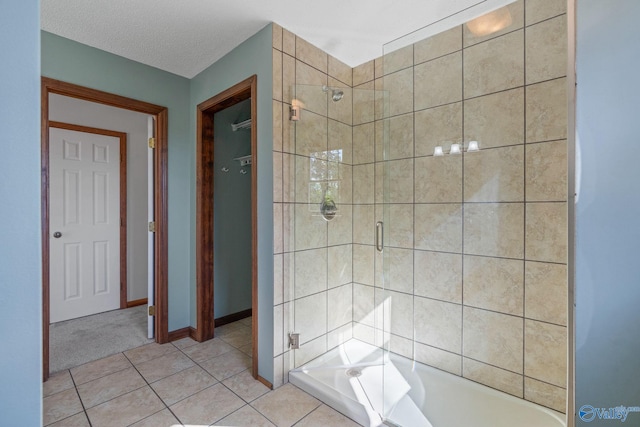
(122, 136)
(244, 90)
(161, 115)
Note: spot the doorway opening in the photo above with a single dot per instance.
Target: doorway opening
(158, 192)
(87, 178)
(205, 176)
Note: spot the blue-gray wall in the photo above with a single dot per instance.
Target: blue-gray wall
(608, 208)
(72, 62)
(20, 268)
(232, 213)
(76, 63)
(252, 57)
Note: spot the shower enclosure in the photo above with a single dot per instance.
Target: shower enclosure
(442, 165)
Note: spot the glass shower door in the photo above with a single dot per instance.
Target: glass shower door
(329, 273)
(394, 257)
(473, 196)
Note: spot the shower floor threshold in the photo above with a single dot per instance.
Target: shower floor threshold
(360, 395)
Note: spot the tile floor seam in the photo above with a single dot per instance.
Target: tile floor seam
(219, 355)
(148, 384)
(235, 380)
(243, 401)
(191, 395)
(207, 388)
(84, 409)
(180, 372)
(149, 416)
(301, 419)
(236, 394)
(206, 360)
(264, 415)
(113, 398)
(159, 379)
(173, 413)
(198, 364)
(97, 378)
(218, 381)
(153, 358)
(166, 406)
(254, 399)
(239, 409)
(79, 399)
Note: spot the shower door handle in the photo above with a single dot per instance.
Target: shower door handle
(379, 236)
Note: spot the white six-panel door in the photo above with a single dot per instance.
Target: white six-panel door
(84, 222)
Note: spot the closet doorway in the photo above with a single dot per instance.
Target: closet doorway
(206, 170)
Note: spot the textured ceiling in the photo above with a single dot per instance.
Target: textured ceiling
(185, 37)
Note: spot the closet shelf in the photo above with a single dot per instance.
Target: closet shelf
(244, 160)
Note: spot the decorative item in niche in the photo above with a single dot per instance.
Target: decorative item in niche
(328, 208)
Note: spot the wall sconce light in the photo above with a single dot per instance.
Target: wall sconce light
(491, 22)
(456, 149)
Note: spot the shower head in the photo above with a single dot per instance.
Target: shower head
(336, 94)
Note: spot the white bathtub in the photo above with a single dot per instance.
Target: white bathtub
(414, 395)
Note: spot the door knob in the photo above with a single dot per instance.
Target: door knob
(57, 234)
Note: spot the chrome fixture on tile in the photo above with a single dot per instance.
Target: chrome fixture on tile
(380, 236)
(294, 110)
(456, 149)
(336, 94)
(294, 340)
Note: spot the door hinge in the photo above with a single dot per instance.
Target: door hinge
(152, 226)
(152, 142)
(152, 310)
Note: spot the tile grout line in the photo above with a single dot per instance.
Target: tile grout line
(148, 384)
(462, 206)
(75, 388)
(524, 196)
(206, 388)
(86, 414)
(218, 381)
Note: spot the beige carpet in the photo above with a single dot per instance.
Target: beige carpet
(77, 341)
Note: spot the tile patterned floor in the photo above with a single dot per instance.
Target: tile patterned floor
(180, 383)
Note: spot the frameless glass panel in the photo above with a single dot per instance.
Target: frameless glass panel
(335, 303)
(473, 195)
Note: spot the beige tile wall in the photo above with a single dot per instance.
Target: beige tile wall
(476, 244)
(486, 267)
(313, 270)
